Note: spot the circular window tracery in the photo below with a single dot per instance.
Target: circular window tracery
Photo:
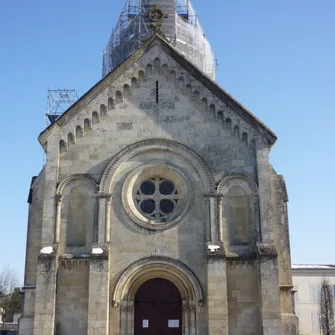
(155, 196)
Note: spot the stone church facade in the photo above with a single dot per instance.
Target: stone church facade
(157, 210)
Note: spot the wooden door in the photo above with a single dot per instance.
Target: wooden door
(158, 308)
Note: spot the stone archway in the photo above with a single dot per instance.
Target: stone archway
(165, 268)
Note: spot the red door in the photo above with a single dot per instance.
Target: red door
(158, 308)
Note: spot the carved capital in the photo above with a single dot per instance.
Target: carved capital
(106, 196)
(201, 303)
(58, 199)
(127, 306)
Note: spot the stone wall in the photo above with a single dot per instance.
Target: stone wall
(187, 113)
(155, 115)
(34, 229)
(243, 297)
(72, 298)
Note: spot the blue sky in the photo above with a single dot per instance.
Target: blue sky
(276, 57)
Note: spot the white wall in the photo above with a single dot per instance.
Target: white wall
(306, 283)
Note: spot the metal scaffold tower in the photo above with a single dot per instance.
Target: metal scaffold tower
(58, 102)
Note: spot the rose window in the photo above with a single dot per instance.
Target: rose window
(157, 198)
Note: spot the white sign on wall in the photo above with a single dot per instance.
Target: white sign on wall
(173, 323)
(145, 323)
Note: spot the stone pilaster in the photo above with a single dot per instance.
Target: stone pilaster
(45, 298)
(289, 321)
(26, 321)
(217, 300)
(51, 171)
(217, 269)
(269, 289)
(98, 301)
(264, 185)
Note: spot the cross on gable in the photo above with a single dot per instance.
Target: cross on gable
(156, 16)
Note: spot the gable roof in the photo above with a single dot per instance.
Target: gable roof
(182, 61)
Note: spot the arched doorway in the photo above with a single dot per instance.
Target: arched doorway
(149, 268)
(158, 308)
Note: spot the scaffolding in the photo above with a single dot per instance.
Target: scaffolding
(132, 30)
(58, 102)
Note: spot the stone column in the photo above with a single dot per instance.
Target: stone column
(269, 289)
(58, 199)
(265, 203)
(222, 229)
(98, 301)
(192, 317)
(45, 298)
(103, 218)
(217, 300)
(186, 318)
(108, 217)
(208, 220)
(215, 217)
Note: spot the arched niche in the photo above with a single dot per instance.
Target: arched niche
(62, 146)
(141, 76)
(70, 140)
(158, 267)
(95, 118)
(87, 125)
(79, 132)
(111, 104)
(240, 217)
(103, 111)
(76, 223)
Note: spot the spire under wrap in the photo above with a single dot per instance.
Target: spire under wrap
(181, 28)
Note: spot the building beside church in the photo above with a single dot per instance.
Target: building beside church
(307, 280)
(157, 210)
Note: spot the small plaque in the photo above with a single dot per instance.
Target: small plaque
(145, 323)
(173, 323)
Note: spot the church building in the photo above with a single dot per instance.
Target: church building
(157, 211)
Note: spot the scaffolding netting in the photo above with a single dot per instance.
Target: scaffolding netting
(132, 30)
